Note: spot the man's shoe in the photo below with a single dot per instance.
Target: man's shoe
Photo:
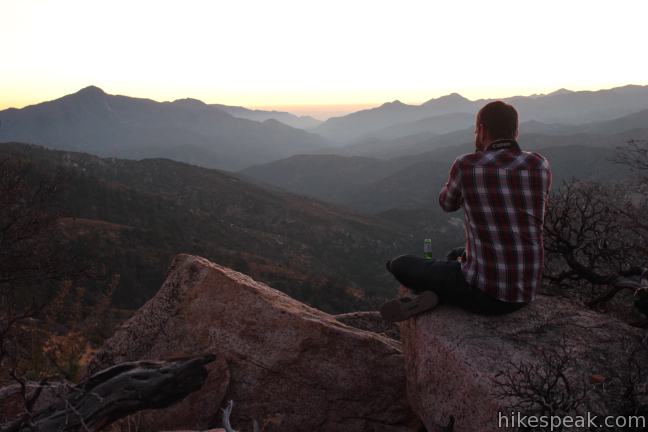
(405, 307)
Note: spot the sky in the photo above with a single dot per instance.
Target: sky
(317, 56)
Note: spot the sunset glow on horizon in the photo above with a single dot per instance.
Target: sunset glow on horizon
(317, 57)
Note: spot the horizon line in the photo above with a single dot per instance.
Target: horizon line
(325, 107)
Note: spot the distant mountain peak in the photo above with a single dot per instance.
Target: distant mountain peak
(91, 90)
(190, 102)
(453, 95)
(561, 91)
(88, 96)
(395, 102)
(278, 125)
(449, 98)
(274, 122)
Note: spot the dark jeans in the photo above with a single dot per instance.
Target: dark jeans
(446, 279)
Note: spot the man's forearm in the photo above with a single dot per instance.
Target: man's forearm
(451, 197)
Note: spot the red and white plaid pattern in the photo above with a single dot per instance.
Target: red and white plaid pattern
(504, 192)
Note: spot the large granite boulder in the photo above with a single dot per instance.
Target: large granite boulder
(464, 371)
(370, 321)
(286, 365)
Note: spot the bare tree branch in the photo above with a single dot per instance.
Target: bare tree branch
(117, 392)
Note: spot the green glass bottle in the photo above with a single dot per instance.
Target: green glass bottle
(427, 249)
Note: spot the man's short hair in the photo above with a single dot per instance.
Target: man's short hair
(499, 119)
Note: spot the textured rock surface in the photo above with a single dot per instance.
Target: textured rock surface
(291, 367)
(370, 321)
(452, 357)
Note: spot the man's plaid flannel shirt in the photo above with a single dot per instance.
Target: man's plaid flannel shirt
(504, 193)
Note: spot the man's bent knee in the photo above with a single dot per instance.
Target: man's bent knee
(398, 264)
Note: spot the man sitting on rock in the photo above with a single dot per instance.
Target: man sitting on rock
(504, 192)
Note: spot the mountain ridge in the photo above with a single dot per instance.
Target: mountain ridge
(287, 118)
(186, 129)
(564, 106)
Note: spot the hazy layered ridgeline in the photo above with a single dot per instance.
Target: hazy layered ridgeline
(379, 175)
(186, 130)
(302, 122)
(561, 106)
(375, 185)
(234, 138)
(533, 135)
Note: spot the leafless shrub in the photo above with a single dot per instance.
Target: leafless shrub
(31, 259)
(626, 383)
(595, 233)
(555, 385)
(542, 388)
(590, 237)
(33, 265)
(634, 154)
